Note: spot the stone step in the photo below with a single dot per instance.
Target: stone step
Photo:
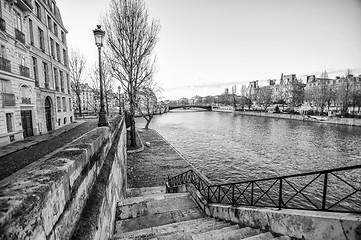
(234, 233)
(154, 204)
(262, 236)
(198, 225)
(283, 238)
(138, 192)
(154, 220)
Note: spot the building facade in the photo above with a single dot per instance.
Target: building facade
(35, 86)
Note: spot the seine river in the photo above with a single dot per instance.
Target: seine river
(227, 147)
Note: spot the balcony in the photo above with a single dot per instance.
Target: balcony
(25, 100)
(19, 36)
(8, 99)
(2, 25)
(5, 64)
(24, 71)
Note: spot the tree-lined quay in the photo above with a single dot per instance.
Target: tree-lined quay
(317, 96)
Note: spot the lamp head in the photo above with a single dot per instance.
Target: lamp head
(99, 36)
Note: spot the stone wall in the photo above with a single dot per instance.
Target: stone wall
(332, 120)
(298, 224)
(45, 199)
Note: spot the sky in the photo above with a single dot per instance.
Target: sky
(205, 46)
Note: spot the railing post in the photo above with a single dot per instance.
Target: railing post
(280, 195)
(252, 183)
(233, 200)
(324, 191)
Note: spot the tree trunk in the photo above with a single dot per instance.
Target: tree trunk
(79, 104)
(133, 142)
(148, 121)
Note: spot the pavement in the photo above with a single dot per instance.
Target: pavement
(158, 160)
(30, 141)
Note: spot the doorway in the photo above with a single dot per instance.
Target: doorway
(27, 123)
(48, 114)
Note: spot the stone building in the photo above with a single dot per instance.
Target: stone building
(89, 99)
(35, 86)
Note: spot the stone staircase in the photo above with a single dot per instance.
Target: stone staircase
(150, 213)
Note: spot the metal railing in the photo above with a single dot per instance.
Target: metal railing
(24, 71)
(19, 35)
(335, 190)
(5, 64)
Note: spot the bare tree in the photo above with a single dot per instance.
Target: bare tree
(264, 97)
(345, 92)
(130, 41)
(148, 103)
(234, 96)
(77, 67)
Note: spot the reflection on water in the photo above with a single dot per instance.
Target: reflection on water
(236, 148)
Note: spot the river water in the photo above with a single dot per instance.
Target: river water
(227, 147)
(233, 148)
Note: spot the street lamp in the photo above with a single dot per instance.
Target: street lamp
(99, 38)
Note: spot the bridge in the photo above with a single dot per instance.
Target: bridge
(207, 107)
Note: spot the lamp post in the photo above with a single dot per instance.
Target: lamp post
(99, 38)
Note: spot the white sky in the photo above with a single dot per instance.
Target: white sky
(207, 45)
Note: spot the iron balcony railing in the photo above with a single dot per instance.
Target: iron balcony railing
(5, 64)
(19, 35)
(24, 71)
(335, 190)
(25, 100)
(2, 25)
(8, 99)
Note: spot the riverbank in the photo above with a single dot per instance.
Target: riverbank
(152, 166)
(331, 120)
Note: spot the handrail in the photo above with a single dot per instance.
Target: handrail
(334, 190)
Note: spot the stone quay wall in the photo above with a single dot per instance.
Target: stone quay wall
(332, 120)
(46, 199)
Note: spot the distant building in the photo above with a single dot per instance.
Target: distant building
(88, 100)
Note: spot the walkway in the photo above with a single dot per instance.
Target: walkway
(151, 167)
(16, 156)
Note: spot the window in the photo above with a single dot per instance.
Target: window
(64, 104)
(58, 101)
(56, 79)
(57, 52)
(41, 39)
(68, 83)
(35, 71)
(70, 104)
(61, 80)
(63, 37)
(65, 58)
(45, 72)
(9, 122)
(31, 31)
(52, 48)
(50, 23)
(37, 10)
(18, 24)
(55, 29)
(2, 51)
